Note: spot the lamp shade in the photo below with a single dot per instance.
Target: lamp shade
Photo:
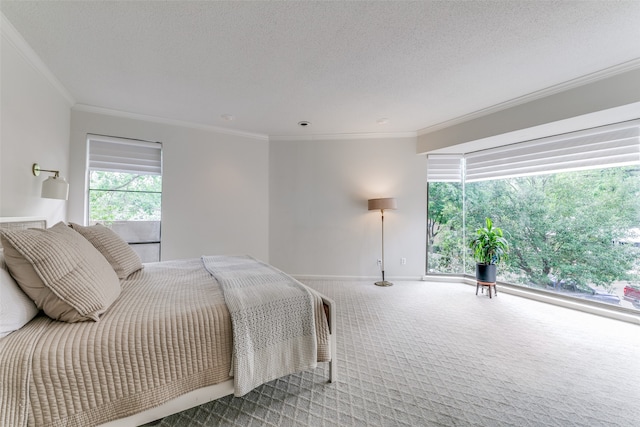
(55, 188)
(382, 204)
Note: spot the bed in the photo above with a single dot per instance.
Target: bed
(169, 341)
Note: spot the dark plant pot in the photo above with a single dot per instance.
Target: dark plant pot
(486, 272)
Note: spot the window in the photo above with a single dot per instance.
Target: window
(125, 191)
(570, 205)
(445, 215)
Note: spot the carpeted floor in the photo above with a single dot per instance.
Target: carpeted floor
(435, 354)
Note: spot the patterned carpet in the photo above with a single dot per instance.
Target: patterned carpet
(435, 354)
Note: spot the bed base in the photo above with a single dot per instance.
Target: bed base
(216, 391)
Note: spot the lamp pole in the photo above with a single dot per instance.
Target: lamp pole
(384, 282)
(381, 205)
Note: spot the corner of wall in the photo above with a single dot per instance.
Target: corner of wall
(29, 97)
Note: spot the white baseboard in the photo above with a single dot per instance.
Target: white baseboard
(596, 309)
(574, 305)
(351, 278)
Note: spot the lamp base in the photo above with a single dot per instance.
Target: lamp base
(384, 283)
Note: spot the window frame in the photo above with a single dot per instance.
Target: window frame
(625, 151)
(151, 164)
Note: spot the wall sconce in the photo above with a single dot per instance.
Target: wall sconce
(53, 187)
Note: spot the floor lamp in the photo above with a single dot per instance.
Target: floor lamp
(381, 205)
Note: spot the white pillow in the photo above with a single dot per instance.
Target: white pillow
(16, 309)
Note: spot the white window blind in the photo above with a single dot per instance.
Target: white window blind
(124, 155)
(608, 146)
(444, 167)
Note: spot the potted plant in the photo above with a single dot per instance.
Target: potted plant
(489, 248)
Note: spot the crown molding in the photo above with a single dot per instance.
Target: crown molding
(562, 87)
(14, 38)
(343, 136)
(171, 122)
(264, 137)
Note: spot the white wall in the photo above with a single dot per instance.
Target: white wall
(215, 186)
(319, 222)
(300, 205)
(34, 126)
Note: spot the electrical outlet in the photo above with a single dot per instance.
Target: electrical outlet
(403, 261)
(379, 261)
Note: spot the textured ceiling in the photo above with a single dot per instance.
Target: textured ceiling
(340, 65)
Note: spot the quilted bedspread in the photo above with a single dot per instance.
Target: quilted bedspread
(168, 333)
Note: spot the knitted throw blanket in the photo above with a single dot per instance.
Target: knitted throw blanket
(272, 316)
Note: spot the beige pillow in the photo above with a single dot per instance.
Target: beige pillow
(61, 272)
(118, 252)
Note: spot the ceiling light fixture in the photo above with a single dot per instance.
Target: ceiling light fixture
(304, 123)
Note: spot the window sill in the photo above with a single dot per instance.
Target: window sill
(600, 309)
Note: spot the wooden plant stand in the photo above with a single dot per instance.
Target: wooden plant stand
(488, 285)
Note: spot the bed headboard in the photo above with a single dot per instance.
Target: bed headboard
(21, 223)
